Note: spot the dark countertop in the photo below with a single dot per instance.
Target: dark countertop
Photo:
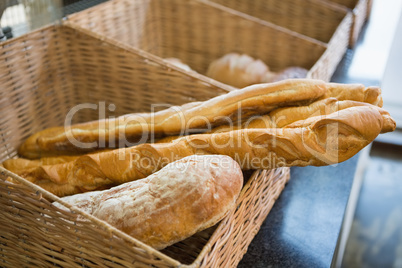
(303, 226)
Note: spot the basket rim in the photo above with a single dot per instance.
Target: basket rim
(260, 21)
(333, 5)
(144, 54)
(346, 22)
(348, 19)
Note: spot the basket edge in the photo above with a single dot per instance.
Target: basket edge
(113, 230)
(261, 22)
(258, 173)
(146, 55)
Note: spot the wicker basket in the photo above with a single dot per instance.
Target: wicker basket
(361, 12)
(47, 72)
(325, 22)
(198, 32)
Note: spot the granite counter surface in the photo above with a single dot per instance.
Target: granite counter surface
(303, 226)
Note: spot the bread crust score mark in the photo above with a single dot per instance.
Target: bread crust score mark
(183, 198)
(252, 100)
(317, 141)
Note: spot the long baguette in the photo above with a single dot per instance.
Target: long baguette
(256, 99)
(160, 210)
(337, 97)
(290, 114)
(294, 116)
(283, 117)
(325, 140)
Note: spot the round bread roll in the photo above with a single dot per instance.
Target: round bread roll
(237, 70)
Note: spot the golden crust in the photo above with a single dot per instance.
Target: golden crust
(320, 140)
(172, 204)
(256, 99)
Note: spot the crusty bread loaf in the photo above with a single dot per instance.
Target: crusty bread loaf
(18, 165)
(257, 99)
(325, 140)
(352, 95)
(250, 101)
(238, 70)
(289, 116)
(356, 92)
(241, 70)
(292, 72)
(184, 197)
(337, 97)
(295, 116)
(282, 117)
(388, 124)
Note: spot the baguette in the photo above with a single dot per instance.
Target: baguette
(282, 117)
(18, 165)
(356, 92)
(323, 141)
(170, 205)
(337, 97)
(388, 124)
(134, 128)
(254, 100)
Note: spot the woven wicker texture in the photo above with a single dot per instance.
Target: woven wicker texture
(325, 22)
(49, 71)
(312, 18)
(360, 10)
(35, 233)
(198, 32)
(46, 73)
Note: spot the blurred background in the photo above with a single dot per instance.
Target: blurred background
(374, 235)
(375, 238)
(21, 16)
